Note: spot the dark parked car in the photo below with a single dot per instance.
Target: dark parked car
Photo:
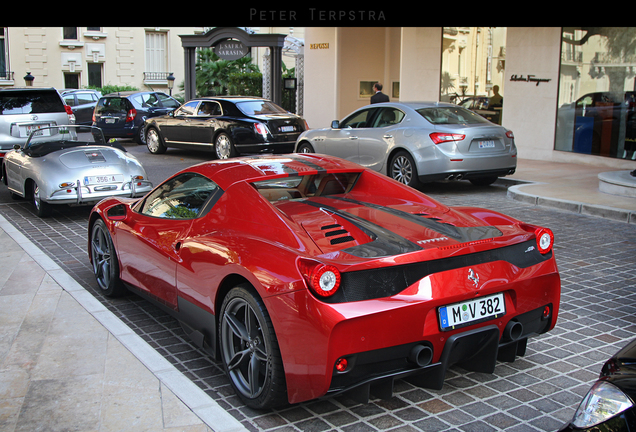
(122, 114)
(24, 110)
(609, 405)
(229, 126)
(82, 102)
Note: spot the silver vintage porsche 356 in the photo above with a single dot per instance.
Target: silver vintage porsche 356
(71, 165)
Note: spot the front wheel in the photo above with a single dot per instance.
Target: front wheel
(402, 168)
(42, 208)
(249, 350)
(105, 264)
(223, 147)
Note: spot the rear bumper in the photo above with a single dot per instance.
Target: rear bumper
(476, 350)
(92, 194)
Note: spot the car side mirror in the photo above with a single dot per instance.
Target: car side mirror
(117, 213)
(335, 124)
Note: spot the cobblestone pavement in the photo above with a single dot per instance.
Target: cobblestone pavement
(538, 392)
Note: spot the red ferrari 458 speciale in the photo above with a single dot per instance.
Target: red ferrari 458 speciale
(308, 276)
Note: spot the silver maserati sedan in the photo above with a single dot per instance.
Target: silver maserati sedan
(74, 165)
(418, 142)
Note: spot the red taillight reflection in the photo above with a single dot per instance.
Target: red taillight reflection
(130, 116)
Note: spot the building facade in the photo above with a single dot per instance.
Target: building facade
(79, 57)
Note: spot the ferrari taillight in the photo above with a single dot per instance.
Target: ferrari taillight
(323, 279)
(441, 137)
(545, 240)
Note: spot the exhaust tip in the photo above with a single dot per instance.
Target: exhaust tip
(513, 331)
(421, 355)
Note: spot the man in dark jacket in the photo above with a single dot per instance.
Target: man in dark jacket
(378, 96)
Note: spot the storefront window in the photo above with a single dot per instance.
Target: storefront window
(473, 66)
(596, 92)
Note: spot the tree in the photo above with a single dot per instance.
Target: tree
(215, 76)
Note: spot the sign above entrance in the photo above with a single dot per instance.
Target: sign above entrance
(231, 49)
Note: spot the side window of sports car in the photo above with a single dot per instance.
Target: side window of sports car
(186, 196)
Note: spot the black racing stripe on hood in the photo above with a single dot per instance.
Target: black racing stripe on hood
(461, 234)
(384, 243)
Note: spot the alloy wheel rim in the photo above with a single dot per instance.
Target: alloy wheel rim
(152, 141)
(402, 170)
(100, 249)
(244, 348)
(223, 147)
(36, 197)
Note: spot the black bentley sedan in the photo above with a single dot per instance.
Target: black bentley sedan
(228, 126)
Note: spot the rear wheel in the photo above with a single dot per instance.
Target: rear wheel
(140, 136)
(223, 147)
(305, 148)
(154, 142)
(402, 168)
(42, 208)
(249, 350)
(105, 264)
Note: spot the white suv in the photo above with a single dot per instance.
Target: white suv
(23, 110)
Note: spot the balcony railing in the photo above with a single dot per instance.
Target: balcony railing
(156, 76)
(6, 75)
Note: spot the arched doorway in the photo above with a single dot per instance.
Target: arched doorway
(275, 42)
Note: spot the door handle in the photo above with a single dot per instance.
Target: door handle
(353, 137)
(388, 136)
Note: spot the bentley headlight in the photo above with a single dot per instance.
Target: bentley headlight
(603, 401)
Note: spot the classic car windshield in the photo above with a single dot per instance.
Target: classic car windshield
(45, 140)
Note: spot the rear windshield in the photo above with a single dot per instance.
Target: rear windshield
(114, 105)
(259, 107)
(30, 102)
(450, 115)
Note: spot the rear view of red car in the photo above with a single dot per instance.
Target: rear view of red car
(307, 275)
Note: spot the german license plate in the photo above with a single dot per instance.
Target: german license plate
(471, 311)
(101, 179)
(287, 128)
(486, 144)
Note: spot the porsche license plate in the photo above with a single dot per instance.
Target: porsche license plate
(101, 179)
(472, 311)
(487, 144)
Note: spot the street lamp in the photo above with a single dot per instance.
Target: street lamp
(170, 82)
(28, 79)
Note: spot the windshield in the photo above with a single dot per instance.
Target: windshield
(450, 115)
(259, 107)
(44, 140)
(30, 102)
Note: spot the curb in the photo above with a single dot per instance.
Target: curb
(616, 214)
(199, 402)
